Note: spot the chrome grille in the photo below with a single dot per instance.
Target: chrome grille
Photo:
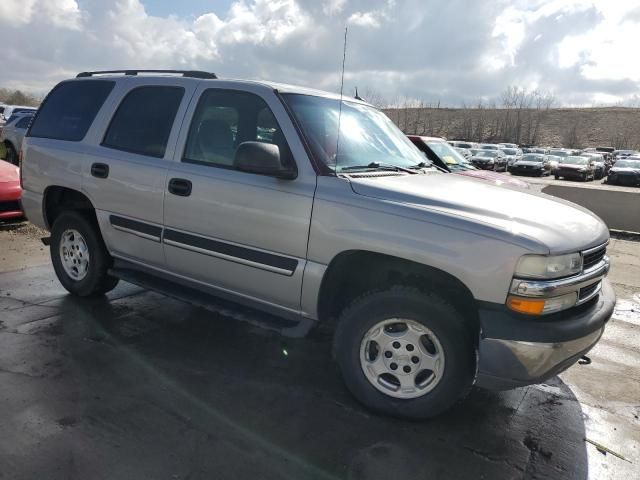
(594, 256)
(587, 291)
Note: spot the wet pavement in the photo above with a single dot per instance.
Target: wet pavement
(140, 386)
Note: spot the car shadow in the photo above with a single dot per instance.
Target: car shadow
(159, 386)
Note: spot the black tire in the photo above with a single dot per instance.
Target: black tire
(557, 177)
(97, 281)
(12, 155)
(429, 309)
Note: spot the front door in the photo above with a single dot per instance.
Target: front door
(239, 232)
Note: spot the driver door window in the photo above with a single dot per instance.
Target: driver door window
(225, 119)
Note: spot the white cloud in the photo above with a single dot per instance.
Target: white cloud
(332, 7)
(61, 13)
(426, 49)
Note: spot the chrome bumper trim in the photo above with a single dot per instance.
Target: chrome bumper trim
(554, 288)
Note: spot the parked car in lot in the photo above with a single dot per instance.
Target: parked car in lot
(12, 135)
(512, 154)
(534, 164)
(625, 172)
(447, 158)
(502, 146)
(575, 167)
(10, 110)
(10, 192)
(490, 160)
(161, 180)
(598, 163)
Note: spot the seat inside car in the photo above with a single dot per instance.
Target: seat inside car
(214, 142)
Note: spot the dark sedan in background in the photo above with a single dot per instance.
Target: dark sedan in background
(532, 164)
(625, 172)
(494, 160)
(575, 168)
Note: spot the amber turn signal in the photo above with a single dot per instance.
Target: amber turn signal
(530, 306)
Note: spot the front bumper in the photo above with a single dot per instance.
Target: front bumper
(630, 180)
(571, 173)
(526, 170)
(516, 350)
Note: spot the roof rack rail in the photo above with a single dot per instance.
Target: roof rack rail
(184, 73)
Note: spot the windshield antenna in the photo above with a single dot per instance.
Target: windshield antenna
(344, 57)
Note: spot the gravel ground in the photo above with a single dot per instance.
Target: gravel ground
(21, 247)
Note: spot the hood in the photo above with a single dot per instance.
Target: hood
(533, 220)
(495, 178)
(571, 166)
(482, 159)
(624, 170)
(524, 163)
(9, 173)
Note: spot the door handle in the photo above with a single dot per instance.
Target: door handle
(180, 187)
(100, 170)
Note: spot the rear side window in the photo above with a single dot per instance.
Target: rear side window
(144, 119)
(69, 110)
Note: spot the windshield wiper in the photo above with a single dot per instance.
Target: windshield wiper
(378, 166)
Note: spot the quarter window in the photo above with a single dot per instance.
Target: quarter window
(223, 120)
(70, 108)
(144, 119)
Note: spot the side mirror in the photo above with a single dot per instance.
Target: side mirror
(262, 159)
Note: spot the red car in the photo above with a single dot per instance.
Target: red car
(10, 191)
(446, 158)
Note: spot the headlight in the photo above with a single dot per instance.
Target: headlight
(548, 267)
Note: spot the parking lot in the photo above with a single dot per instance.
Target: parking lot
(142, 386)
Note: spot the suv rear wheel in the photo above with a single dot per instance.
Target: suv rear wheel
(404, 352)
(79, 256)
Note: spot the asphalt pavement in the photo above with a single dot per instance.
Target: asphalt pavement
(140, 386)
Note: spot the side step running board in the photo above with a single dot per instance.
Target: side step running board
(294, 327)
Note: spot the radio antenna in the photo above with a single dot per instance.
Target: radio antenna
(344, 57)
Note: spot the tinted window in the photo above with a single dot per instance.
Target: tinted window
(144, 119)
(24, 122)
(69, 110)
(223, 120)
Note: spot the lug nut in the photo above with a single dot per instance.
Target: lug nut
(394, 366)
(406, 369)
(410, 348)
(415, 359)
(388, 354)
(396, 344)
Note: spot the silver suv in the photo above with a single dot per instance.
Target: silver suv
(205, 188)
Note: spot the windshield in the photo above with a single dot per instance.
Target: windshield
(510, 151)
(533, 158)
(489, 147)
(627, 164)
(366, 135)
(447, 154)
(559, 153)
(576, 160)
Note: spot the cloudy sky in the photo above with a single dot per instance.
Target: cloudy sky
(586, 52)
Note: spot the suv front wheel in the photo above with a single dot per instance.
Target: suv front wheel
(80, 258)
(404, 352)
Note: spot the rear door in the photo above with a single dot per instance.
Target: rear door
(125, 173)
(239, 232)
